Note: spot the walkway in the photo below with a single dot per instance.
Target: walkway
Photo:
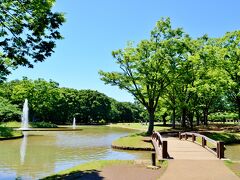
(191, 161)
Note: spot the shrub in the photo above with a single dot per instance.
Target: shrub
(43, 124)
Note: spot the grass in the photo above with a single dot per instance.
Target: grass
(87, 168)
(234, 166)
(227, 138)
(13, 124)
(6, 132)
(134, 141)
(140, 126)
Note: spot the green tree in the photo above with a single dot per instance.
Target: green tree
(28, 31)
(146, 68)
(8, 111)
(231, 64)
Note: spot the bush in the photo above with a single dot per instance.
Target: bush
(43, 124)
(102, 121)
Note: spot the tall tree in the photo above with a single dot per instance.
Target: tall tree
(145, 69)
(231, 64)
(28, 31)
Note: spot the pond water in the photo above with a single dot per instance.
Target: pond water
(233, 152)
(41, 153)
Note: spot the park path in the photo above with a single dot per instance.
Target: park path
(191, 161)
(198, 170)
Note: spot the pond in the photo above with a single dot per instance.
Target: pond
(41, 153)
(233, 152)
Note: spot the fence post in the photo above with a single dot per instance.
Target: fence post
(220, 150)
(180, 135)
(154, 159)
(186, 136)
(203, 142)
(164, 149)
(193, 138)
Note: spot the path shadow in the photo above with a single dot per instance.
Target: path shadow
(78, 175)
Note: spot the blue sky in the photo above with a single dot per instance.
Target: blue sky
(94, 28)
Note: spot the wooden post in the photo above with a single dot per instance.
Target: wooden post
(193, 138)
(180, 135)
(164, 149)
(186, 136)
(220, 150)
(154, 159)
(203, 142)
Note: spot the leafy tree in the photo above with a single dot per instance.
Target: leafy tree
(146, 68)
(231, 64)
(8, 111)
(28, 31)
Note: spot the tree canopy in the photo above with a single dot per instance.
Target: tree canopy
(28, 31)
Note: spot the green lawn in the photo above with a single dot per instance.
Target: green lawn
(87, 168)
(226, 137)
(141, 127)
(134, 141)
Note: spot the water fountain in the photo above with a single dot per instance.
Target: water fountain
(25, 115)
(74, 123)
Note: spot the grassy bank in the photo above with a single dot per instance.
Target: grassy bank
(6, 132)
(226, 137)
(234, 166)
(88, 168)
(133, 142)
(140, 126)
(15, 124)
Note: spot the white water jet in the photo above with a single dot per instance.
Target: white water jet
(25, 115)
(23, 148)
(74, 123)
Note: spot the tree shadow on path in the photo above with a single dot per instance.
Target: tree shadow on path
(81, 175)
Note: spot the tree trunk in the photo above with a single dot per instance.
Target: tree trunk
(184, 113)
(238, 107)
(151, 122)
(205, 116)
(198, 118)
(164, 119)
(191, 115)
(174, 118)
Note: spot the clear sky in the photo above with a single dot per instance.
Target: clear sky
(96, 27)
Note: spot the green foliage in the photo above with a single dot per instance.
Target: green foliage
(43, 125)
(6, 132)
(222, 117)
(8, 111)
(146, 69)
(49, 103)
(29, 30)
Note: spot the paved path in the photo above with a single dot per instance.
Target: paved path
(198, 170)
(182, 149)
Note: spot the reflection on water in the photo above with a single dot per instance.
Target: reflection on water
(43, 153)
(233, 152)
(23, 148)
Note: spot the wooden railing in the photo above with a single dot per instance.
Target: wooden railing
(218, 146)
(160, 145)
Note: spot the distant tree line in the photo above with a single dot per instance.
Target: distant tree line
(48, 102)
